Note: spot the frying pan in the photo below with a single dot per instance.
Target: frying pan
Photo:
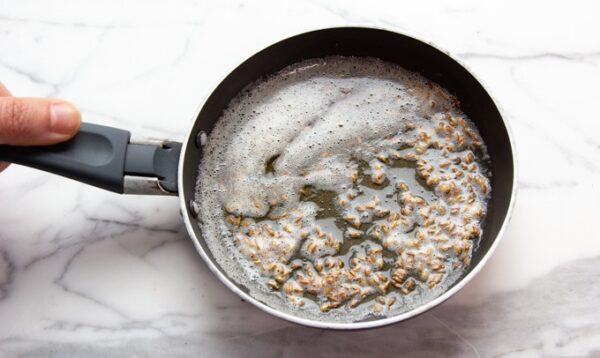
(110, 159)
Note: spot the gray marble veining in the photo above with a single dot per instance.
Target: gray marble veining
(89, 273)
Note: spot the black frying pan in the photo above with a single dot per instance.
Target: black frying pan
(108, 158)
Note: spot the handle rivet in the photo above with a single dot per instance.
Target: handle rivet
(201, 138)
(194, 208)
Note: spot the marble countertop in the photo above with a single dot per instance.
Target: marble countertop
(85, 272)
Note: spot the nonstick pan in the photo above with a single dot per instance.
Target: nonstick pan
(110, 159)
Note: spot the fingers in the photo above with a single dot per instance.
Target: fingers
(36, 121)
(4, 91)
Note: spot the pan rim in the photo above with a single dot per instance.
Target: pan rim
(213, 266)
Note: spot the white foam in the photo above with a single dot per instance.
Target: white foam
(314, 116)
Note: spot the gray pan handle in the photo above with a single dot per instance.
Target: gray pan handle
(106, 157)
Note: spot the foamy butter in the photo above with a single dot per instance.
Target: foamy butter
(343, 188)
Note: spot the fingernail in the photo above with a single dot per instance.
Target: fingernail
(64, 118)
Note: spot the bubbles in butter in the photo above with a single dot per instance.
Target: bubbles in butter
(343, 189)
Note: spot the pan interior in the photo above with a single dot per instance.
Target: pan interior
(388, 46)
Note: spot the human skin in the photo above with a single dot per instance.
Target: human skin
(35, 121)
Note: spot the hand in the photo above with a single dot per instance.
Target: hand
(35, 121)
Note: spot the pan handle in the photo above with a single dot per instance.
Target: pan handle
(107, 158)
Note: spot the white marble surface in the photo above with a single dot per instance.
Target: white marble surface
(90, 273)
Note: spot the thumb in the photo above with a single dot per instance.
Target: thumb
(37, 121)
